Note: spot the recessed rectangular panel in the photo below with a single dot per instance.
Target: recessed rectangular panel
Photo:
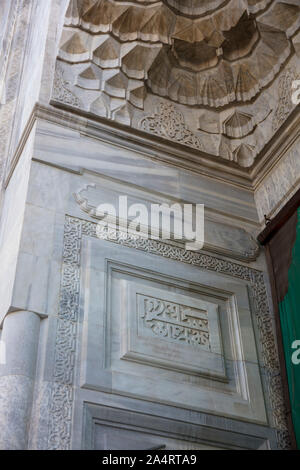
(172, 331)
(169, 332)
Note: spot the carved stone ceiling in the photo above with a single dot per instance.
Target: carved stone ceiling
(215, 75)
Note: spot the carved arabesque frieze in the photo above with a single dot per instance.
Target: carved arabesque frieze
(168, 122)
(61, 406)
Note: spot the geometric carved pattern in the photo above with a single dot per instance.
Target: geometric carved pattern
(61, 408)
(176, 322)
(65, 345)
(213, 58)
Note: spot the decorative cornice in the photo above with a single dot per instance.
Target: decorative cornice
(226, 244)
(167, 152)
(151, 146)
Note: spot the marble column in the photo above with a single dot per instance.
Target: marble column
(20, 338)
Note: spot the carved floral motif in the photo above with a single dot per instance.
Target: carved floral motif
(285, 104)
(169, 122)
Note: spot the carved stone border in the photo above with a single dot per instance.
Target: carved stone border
(10, 76)
(61, 406)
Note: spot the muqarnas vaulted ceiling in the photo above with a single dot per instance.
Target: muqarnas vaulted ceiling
(210, 74)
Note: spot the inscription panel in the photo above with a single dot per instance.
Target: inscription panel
(172, 330)
(174, 322)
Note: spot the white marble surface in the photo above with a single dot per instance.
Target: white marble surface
(69, 354)
(12, 218)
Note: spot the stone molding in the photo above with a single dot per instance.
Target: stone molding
(167, 152)
(226, 245)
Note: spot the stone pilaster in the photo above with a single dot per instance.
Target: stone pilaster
(20, 337)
